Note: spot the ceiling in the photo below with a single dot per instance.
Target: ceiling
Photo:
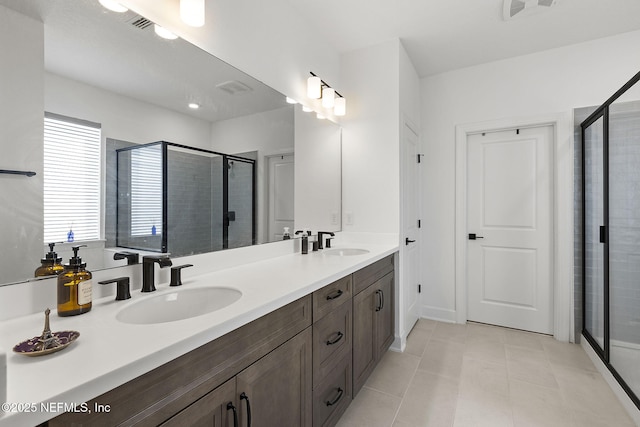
(444, 35)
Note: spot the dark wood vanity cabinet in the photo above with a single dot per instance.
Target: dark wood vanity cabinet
(298, 366)
(373, 318)
(332, 350)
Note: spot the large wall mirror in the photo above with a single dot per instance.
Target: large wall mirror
(245, 159)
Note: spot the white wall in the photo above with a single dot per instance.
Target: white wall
(21, 127)
(554, 81)
(370, 150)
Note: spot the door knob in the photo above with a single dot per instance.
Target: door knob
(407, 241)
(473, 236)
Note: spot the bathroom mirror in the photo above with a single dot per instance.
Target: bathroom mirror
(79, 60)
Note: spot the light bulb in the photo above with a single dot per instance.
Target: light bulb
(313, 87)
(340, 107)
(328, 97)
(163, 32)
(192, 12)
(113, 6)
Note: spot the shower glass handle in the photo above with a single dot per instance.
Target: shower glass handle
(603, 234)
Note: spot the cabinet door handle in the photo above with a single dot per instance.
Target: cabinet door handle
(380, 300)
(235, 413)
(243, 396)
(340, 335)
(334, 295)
(337, 399)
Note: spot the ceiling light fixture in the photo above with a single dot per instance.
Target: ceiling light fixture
(163, 32)
(192, 12)
(317, 87)
(113, 6)
(194, 106)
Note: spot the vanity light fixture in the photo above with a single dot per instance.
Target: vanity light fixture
(194, 105)
(113, 6)
(330, 97)
(192, 12)
(340, 107)
(163, 32)
(314, 87)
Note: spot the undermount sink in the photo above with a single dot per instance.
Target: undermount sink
(177, 305)
(345, 251)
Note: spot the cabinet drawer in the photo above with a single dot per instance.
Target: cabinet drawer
(332, 397)
(331, 340)
(331, 296)
(366, 276)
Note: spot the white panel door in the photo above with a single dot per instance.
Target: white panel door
(509, 200)
(411, 195)
(281, 186)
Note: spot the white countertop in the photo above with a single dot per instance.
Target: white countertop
(110, 353)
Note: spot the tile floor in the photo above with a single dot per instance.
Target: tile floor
(479, 375)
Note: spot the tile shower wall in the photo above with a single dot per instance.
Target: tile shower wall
(624, 222)
(190, 216)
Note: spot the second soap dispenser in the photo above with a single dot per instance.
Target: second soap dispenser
(51, 264)
(74, 287)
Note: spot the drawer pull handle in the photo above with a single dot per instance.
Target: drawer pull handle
(337, 399)
(340, 335)
(243, 396)
(235, 413)
(334, 295)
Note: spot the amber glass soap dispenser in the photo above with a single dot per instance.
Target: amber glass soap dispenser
(51, 264)
(74, 287)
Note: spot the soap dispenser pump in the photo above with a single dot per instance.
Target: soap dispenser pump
(51, 264)
(74, 287)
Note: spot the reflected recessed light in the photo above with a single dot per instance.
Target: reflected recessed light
(163, 32)
(113, 6)
(194, 106)
(306, 109)
(320, 116)
(291, 101)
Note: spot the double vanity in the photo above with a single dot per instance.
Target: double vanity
(280, 340)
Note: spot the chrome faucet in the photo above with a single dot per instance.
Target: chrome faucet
(148, 261)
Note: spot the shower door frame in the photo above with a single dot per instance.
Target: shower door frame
(602, 112)
(225, 192)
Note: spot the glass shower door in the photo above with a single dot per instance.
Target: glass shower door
(594, 232)
(624, 241)
(240, 216)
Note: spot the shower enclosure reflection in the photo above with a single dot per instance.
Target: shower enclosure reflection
(183, 200)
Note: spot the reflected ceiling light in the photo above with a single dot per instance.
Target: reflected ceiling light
(192, 12)
(331, 99)
(113, 6)
(320, 116)
(194, 106)
(306, 109)
(328, 97)
(314, 85)
(340, 107)
(291, 101)
(163, 32)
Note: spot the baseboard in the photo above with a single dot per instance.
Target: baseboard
(622, 396)
(439, 314)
